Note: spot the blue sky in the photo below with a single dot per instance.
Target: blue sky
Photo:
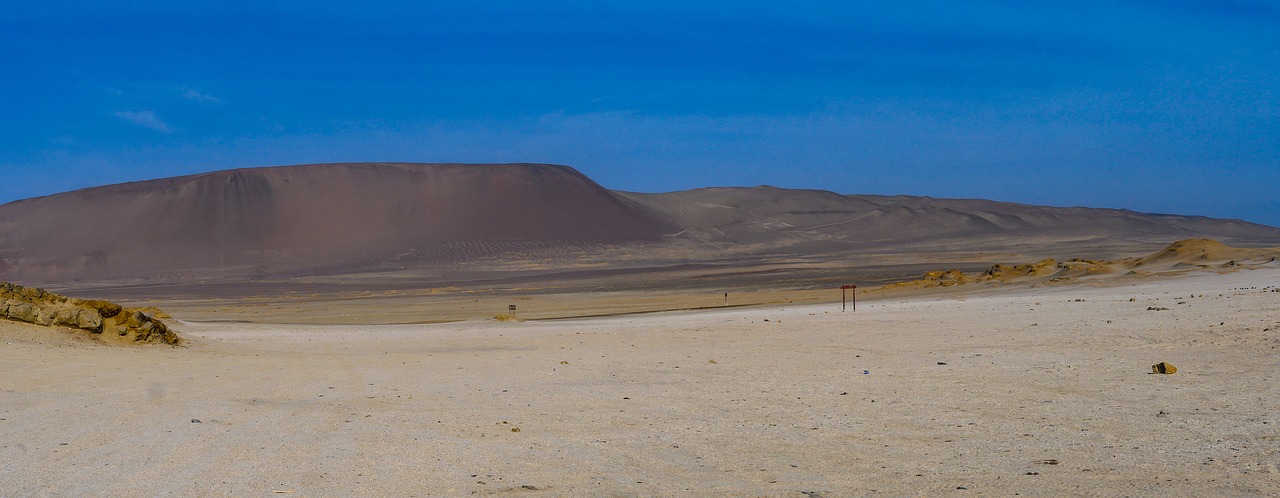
(1157, 106)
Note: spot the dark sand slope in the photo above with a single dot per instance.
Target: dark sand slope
(524, 225)
(330, 218)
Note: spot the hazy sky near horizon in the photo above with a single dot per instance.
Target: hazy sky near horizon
(1157, 106)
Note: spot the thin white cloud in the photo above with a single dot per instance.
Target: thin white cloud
(145, 118)
(201, 97)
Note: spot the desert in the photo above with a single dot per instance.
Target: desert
(690, 343)
(649, 249)
(1041, 391)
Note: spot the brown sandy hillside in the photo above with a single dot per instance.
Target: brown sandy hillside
(326, 218)
(816, 221)
(425, 225)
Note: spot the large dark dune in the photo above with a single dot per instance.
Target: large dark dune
(424, 223)
(314, 218)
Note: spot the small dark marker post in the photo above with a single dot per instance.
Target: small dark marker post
(511, 308)
(844, 288)
(726, 299)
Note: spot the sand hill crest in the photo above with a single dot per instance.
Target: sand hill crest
(453, 224)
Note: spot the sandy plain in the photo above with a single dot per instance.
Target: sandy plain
(1042, 391)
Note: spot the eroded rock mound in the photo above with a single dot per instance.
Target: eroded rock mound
(1205, 253)
(41, 307)
(1005, 272)
(1179, 256)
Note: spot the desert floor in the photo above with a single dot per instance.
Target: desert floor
(1034, 391)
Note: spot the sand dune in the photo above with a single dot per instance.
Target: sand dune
(443, 225)
(312, 219)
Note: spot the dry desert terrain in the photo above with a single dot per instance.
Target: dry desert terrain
(1028, 390)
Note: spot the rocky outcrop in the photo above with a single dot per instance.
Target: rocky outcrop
(1004, 272)
(41, 307)
(1191, 253)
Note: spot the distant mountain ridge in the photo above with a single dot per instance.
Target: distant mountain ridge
(355, 218)
(759, 213)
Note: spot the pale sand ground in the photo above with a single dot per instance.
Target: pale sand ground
(1054, 374)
